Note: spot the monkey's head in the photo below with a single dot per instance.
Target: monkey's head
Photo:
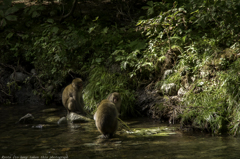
(77, 83)
(116, 97)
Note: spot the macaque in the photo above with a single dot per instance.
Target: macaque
(116, 99)
(72, 97)
(106, 118)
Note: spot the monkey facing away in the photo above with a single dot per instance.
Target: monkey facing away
(72, 96)
(106, 118)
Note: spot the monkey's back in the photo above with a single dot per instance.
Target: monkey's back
(65, 95)
(106, 118)
(68, 93)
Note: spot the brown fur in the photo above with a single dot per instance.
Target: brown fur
(72, 96)
(106, 118)
(115, 97)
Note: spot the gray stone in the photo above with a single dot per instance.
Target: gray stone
(18, 76)
(74, 117)
(62, 121)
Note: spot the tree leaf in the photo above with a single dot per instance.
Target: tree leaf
(55, 30)
(9, 35)
(98, 60)
(3, 22)
(184, 38)
(35, 14)
(150, 3)
(11, 10)
(50, 20)
(91, 29)
(95, 19)
(150, 11)
(11, 17)
(162, 58)
(105, 30)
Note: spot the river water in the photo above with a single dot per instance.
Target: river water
(81, 141)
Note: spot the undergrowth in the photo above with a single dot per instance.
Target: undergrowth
(101, 83)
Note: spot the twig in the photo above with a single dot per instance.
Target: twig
(124, 124)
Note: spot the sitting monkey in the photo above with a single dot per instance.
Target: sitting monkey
(72, 97)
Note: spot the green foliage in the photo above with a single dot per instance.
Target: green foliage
(88, 47)
(199, 30)
(34, 11)
(101, 83)
(7, 13)
(216, 108)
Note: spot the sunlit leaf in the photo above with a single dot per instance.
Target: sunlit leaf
(96, 19)
(184, 38)
(105, 30)
(91, 29)
(162, 58)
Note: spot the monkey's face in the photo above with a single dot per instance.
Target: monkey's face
(115, 99)
(77, 83)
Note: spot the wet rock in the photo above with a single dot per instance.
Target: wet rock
(169, 89)
(74, 117)
(62, 121)
(28, 118)
(18, 76)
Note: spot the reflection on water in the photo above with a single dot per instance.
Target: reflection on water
(80, 140)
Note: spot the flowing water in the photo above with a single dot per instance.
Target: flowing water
(80, 140)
